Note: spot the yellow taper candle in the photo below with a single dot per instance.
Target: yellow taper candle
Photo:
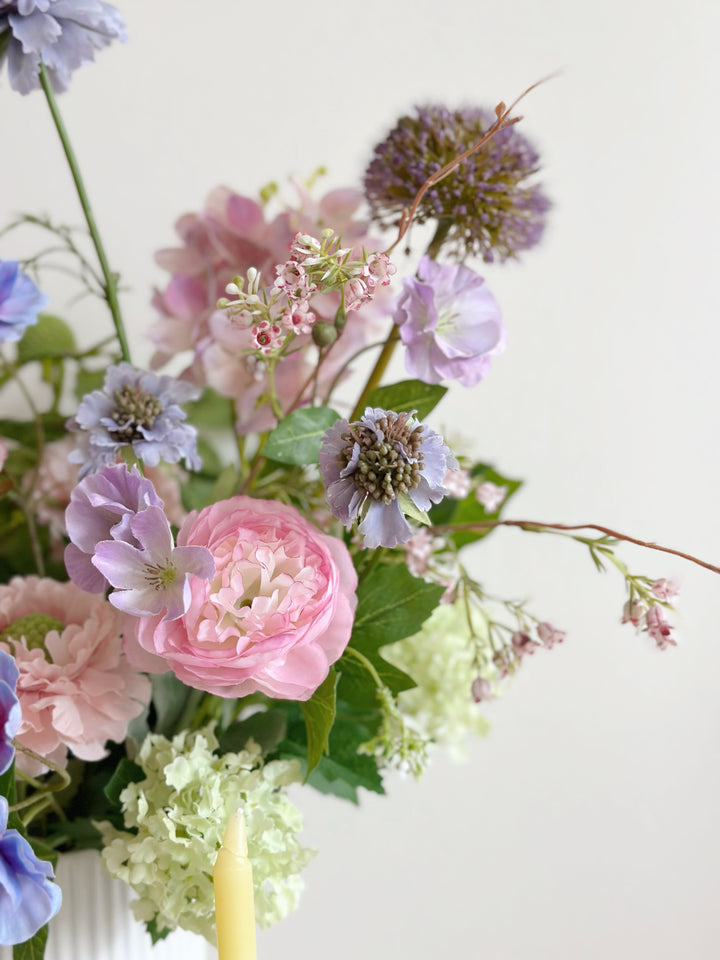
(234, 907)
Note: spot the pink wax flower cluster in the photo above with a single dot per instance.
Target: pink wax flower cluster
(278, 612)
(229, 237)
(75, 687)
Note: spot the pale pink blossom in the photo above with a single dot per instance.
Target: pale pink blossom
(490, 495)
(357, 292)
(299, 318)
(666, 589)
(418, 551)
(76, 688)
(658, 627)
(267, 336)
(482, 690)
(633, 613)
(292, 279)
(549, 635)
(277, 614)
(378, 269)
(458, 483)
(523, 644)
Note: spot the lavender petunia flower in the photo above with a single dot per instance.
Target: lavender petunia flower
(154, 576)
(28, 896)
(20, 299)
(101, 508)
(450, 324)
(135, 409)
(63, 34)
(10, 714)
(380, 468)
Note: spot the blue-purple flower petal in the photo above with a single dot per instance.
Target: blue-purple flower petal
(20, 301)
(10, 713)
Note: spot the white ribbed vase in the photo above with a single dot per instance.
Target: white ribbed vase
(95, 921)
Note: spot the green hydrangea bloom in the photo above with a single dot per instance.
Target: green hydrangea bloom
(442, 660)
(179, 812)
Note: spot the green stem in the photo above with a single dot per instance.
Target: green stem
(110, 283)
(377, 372)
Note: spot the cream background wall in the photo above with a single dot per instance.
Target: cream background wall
(585, 825)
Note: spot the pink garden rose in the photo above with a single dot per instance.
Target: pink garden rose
(277, 613)
(76, 689)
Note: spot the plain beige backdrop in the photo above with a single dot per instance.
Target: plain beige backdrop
(585, 827)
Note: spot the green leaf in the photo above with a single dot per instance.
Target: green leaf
(297, 439)
(267, 728)
(126, 772)
(470, 510)
(88, 380)
(392, 605)
(358, 688)
(319, 713)
(406, 396)
(226, 485)
(34, 948)
(155, 934)
(211, 410)
(49, 337)
(169, 697)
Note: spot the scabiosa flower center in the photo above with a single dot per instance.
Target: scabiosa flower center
(135, 409)
(34, 627)
(387, 461)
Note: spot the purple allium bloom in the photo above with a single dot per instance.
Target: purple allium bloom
(486, 207)
(64, 34)
(28, 896)
(101, 507)
(449, 322)
(154, 576)
(137, 409)
(20, 299)
(380, 468)
(10, 714)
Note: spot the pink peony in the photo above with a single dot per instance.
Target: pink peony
(278, 612)
(76, 689)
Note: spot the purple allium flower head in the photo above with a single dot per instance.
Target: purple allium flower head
(154, 576)
(63, 34)
(28, 896)
(380, 468)
(10, 714)
(485, 207)
(101, 507)
(135, 409)
(20, 300)
(449, 322)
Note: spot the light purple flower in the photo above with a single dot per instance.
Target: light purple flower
(64, 34)
(154, 576)
(20, 299)
(135, 409)
(101, 508)
(28, 896)
(450, 324)
(380, 468)
(10, 714)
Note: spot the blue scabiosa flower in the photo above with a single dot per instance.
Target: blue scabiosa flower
(28, 896)
(381, 468)
(63, 34)
(10, 714)
(20, 299)
(486, 208)
(135, 409)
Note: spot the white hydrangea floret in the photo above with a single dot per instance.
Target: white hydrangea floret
(441, 659)
(180, 811)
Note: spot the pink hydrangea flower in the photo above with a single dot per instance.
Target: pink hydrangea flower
(75, 687)
(278, 612)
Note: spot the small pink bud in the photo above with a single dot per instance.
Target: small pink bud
(550, 635)
(481, 690)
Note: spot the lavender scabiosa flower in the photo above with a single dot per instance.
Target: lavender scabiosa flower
(101, 508)
(20, 299)
(382, 467)
(135, 409)
(62, 34)
(153, 576)
(10, 713)
(449, 322)
(486, 207)
(28, 896)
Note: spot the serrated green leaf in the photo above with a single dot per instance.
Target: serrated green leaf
(319, 713)
(49, 337)
(267, 728)
(297, 439)
(406, 396)
(126, 772)
(34, 948)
